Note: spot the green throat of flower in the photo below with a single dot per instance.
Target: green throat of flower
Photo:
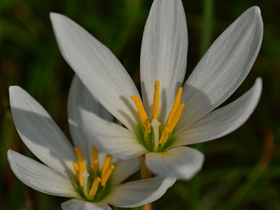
(152, 134)
(93, 185)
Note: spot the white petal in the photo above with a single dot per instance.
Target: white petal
(179, 162)
(222, 121)
(40, 177)
(111, 138)
(98, 68)
(79, 96)
(76, 204)
(224, 67)
(124, 169)
(164, 53)
(137, 193)
(40, 133)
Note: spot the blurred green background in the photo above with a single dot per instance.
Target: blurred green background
(241, 170)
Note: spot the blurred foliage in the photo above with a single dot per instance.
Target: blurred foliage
(241, 170)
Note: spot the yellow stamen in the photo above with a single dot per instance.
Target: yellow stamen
(78, 173)
(82, 174)
(80, 159)
(176, 117)
(106, 164)
(156, 100)
(173, 118)
(164, 136)
(171, 122)
(94, 159)
(94, 187)
(106, 174)
(168, 128)
(141, 112)
(175, 105)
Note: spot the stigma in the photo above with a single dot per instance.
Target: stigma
(160, 133)
(98, 177)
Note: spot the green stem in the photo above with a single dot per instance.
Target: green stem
(145, 173)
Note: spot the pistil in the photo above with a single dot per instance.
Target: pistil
(155, 123)
(85, 187)
(156, 100)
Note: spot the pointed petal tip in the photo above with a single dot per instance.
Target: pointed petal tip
(223, 120)
(15, 92)
(39, 176)
(54, 15)
(13, 88)
(256, 10)
(9, 153)
(258, 86)
(57, 19)
(259, 80)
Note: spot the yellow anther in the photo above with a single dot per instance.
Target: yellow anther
(106, 164)
(106, 174)
(164, 136)
(176, 117)
(94, 187)
(80, 159)
(78, 173)
(175, 105)
(94, 159)
(141, 112)
(155, 108)
(168, 128)
(83, 176)
(173, 117)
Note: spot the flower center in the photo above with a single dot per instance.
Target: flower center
(160, 134)
(97, 177)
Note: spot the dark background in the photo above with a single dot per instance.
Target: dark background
(241, 170)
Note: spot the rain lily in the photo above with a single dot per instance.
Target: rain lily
(92, 178)
(170, 114)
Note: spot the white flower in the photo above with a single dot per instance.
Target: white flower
(169, 116)
(93, 179)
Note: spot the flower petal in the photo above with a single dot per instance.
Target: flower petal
(223, 68)
(124, 169)
(222, 121)
(40, 133)
(98, 68)
(76, 204)
(40, 177)
(79, 96)
(179, 162)
(164, 53)
(137, 193)
(111, 138)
